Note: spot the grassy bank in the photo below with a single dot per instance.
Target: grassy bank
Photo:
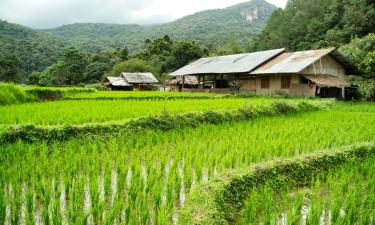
(220, 201)
(13, 94)
(343, 195)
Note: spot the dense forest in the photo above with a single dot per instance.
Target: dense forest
(75, 67)
(316, 24)
(210, 27)
(30, 50)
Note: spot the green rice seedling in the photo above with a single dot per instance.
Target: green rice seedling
(98, 111)
(154, 168)
(353, 182)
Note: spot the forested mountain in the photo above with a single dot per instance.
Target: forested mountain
(35, 50)
(211, 27)
(317, 24)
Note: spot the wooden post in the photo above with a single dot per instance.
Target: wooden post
(183, 83)
(203, 82)
(214, 81)
(238, 83)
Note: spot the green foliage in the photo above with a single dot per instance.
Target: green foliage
(34, 49)
(219, 201)
(73, 65)
(211, 28)
(361, 51)
(316, 24)
(234, 46)
(9, 68)
(123, 54)
(94, 72)
(50, 93)
(12, 94)
(133, 65)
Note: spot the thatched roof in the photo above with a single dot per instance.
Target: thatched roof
(139, 78)
(241, 63)
(117, 82)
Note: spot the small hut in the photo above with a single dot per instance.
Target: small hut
(118, 84)
(177, 82)
(141, 81)
(129, 81)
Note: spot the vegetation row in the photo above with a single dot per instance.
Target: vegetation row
(343, 195)
(13, 94)
(219, 201)
(31, 133)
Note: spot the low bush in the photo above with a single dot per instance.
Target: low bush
(13, 94)
(31, 133)
(56, 93)
(219, 201)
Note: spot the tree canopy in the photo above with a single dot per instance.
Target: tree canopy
(316, 24)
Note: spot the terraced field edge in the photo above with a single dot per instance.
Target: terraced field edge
(32, 133)
(219, 201)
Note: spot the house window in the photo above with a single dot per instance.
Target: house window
(265, 82)
(285, 82)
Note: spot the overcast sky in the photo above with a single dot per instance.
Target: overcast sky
(52, 13)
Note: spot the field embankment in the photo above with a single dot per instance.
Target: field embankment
(13, 94)
(165, 121)
(221, 200)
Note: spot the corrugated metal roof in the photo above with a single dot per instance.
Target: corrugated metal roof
(118, 82)
(139, 78)
(192, 80)
(241, 63)
(327, 80)
(293, 62)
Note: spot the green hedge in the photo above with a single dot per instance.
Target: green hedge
(221, 199)
(31, 133)
(156, 98)
(55, 93)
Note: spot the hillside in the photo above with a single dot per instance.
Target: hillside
(207, 27)
(36, 50)
(317, 24)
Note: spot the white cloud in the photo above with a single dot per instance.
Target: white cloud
(51, 13)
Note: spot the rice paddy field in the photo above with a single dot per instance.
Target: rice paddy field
(137, 94)
(96, 111)
(345, 195)
(146, 177)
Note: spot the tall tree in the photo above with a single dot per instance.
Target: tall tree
(10, 68)
(74, 63)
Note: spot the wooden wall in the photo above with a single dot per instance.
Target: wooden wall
(327, 66)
